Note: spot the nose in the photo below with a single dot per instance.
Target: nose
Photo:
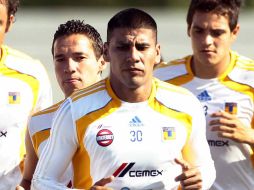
(133, 55)
(70, 66)
(208, 39)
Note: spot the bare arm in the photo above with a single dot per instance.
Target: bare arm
(31, 160)
(198, 166)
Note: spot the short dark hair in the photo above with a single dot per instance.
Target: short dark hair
(228, 8)
(131, 18)
(11, 5)
(79, 27)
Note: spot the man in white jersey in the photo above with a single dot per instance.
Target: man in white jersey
(223, 82)
(25, 88)
(77, 53)
(128, 130)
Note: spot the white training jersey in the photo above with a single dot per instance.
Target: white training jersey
(25, 88)
(233, 92)
(39, 130)
(135, 142)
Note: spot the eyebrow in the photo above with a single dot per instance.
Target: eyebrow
(130, 43)
(197, 27)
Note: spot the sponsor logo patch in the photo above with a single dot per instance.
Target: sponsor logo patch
(125, 168)
(104, 137)
(218, 143)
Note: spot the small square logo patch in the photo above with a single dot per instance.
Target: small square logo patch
(231, 107)
(14, 97)
(168, 133)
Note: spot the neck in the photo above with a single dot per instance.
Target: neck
(132, 95)
(208, 70)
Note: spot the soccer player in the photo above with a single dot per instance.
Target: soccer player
(129, 131)
(77, 53)
(223, 82)
(25, 88)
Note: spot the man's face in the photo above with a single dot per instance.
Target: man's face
(3, 22)
(132, 54)
(211, 38)
(75, 63)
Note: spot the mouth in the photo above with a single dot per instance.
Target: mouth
(134, 71)
(207, 51)
(71, 80)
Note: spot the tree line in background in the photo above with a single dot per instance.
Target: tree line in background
(110, 3)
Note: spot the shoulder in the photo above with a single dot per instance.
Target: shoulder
(87, 100)
(90, 92)
(23, 63)
(169, 70)
(42, 120)
(171, 88)
(244, 62)
(176, 97)
(48, 110)
(243, 71)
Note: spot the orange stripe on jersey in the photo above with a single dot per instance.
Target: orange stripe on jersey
(243, 88)
(87, 91)
(39, 137)
(243, 62)
(81, 167)
(174, 62)
(252, 157)
(252, 148)
(184, 118)
(182, 79)
(91, 87)
(171, 87)
(50, 109)
(81, 160)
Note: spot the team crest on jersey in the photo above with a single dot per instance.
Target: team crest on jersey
(104, 137)
(14, 97)
(231, 107)
(168, 133)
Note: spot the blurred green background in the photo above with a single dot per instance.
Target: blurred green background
(37, 21)
(110, 3)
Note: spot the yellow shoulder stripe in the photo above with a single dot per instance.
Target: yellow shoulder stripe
(50, 109)
(86, 91)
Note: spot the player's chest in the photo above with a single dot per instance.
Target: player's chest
(138, 131)
(215, 96)
(16, 100)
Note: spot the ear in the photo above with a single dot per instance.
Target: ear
(158, 54)
(102, 64)
(235, 32)
(106, 52)
(10, 23)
